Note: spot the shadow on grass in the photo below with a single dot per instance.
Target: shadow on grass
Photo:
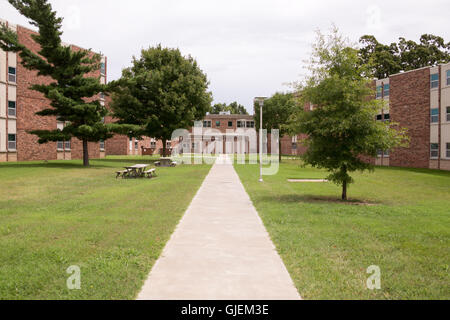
(316, 199)
(50, 165)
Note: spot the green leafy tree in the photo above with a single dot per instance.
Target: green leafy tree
(72, 93)
(276, 113)
(341, 130)
(385, 60)
(161, 92)
(233, 108)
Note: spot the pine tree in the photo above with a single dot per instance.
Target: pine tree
(73, 93)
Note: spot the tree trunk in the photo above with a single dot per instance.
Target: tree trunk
(164, 141)
(85, 153)
(279, 149)
(344, 191)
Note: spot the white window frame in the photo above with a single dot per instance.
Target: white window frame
(67, 145)
(252, 124)
(60, 145)
(12, 114)
(434, 118)
(12, 144)
(434, 150)
(448, 77)
(207, 124)
(448, 114)
(152, 144)
(103, 68)
(447, 150)
(168, 144)
(12, 77)
(102, 145)
(434, 84)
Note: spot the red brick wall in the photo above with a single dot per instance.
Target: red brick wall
(410, 107)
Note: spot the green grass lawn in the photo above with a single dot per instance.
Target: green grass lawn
(399, 221)
(58, 214)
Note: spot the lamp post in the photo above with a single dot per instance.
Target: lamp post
(260, 101)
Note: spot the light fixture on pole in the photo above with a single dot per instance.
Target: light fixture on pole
(260, 101)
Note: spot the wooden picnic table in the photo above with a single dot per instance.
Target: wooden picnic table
(165, 162)
(137, 171)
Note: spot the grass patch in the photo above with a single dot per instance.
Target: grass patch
(401, 223)
(58, 214)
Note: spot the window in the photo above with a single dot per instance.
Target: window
(102, 68)
(387, 90)
(241, 124)
(434, 150)
(102, 145)
(12, 141)
(102, 95)
(206, 124)
(193, 145)
(434, 115)
(153, 145)
(168, 144)
(387, 153)
(387, 117)
(380, 153)
(447, 154)
(448, 114)
(250, 124)
(60, 145)
(217, 123)
(103, 119)
(67, 145)
(11, 74)
(379, 91)
(136, 145)
(11, 108)
(380, 117)
(294, 146)
(230, 124)
(448, 77)
(434, 80)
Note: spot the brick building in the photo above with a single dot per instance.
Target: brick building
(229, 130)
(18, 105)
(418, 100)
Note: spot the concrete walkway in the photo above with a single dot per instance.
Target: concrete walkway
(220, 250)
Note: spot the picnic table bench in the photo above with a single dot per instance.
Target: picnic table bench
(136, 171)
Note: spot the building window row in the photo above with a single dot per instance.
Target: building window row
(383, 91)
(64, 145)
(434, 150)
(434, 80)
(103, 68)
(207, 124)
(384, 117)
(12, 142)
(246, 124)
(12, 74)
(434, 115)
(385, 153)
(12, 112)
(448, 77)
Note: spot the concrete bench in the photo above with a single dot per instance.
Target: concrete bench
(157, 163)
(150, 173)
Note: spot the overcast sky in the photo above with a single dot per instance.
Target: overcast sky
(247, 48)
